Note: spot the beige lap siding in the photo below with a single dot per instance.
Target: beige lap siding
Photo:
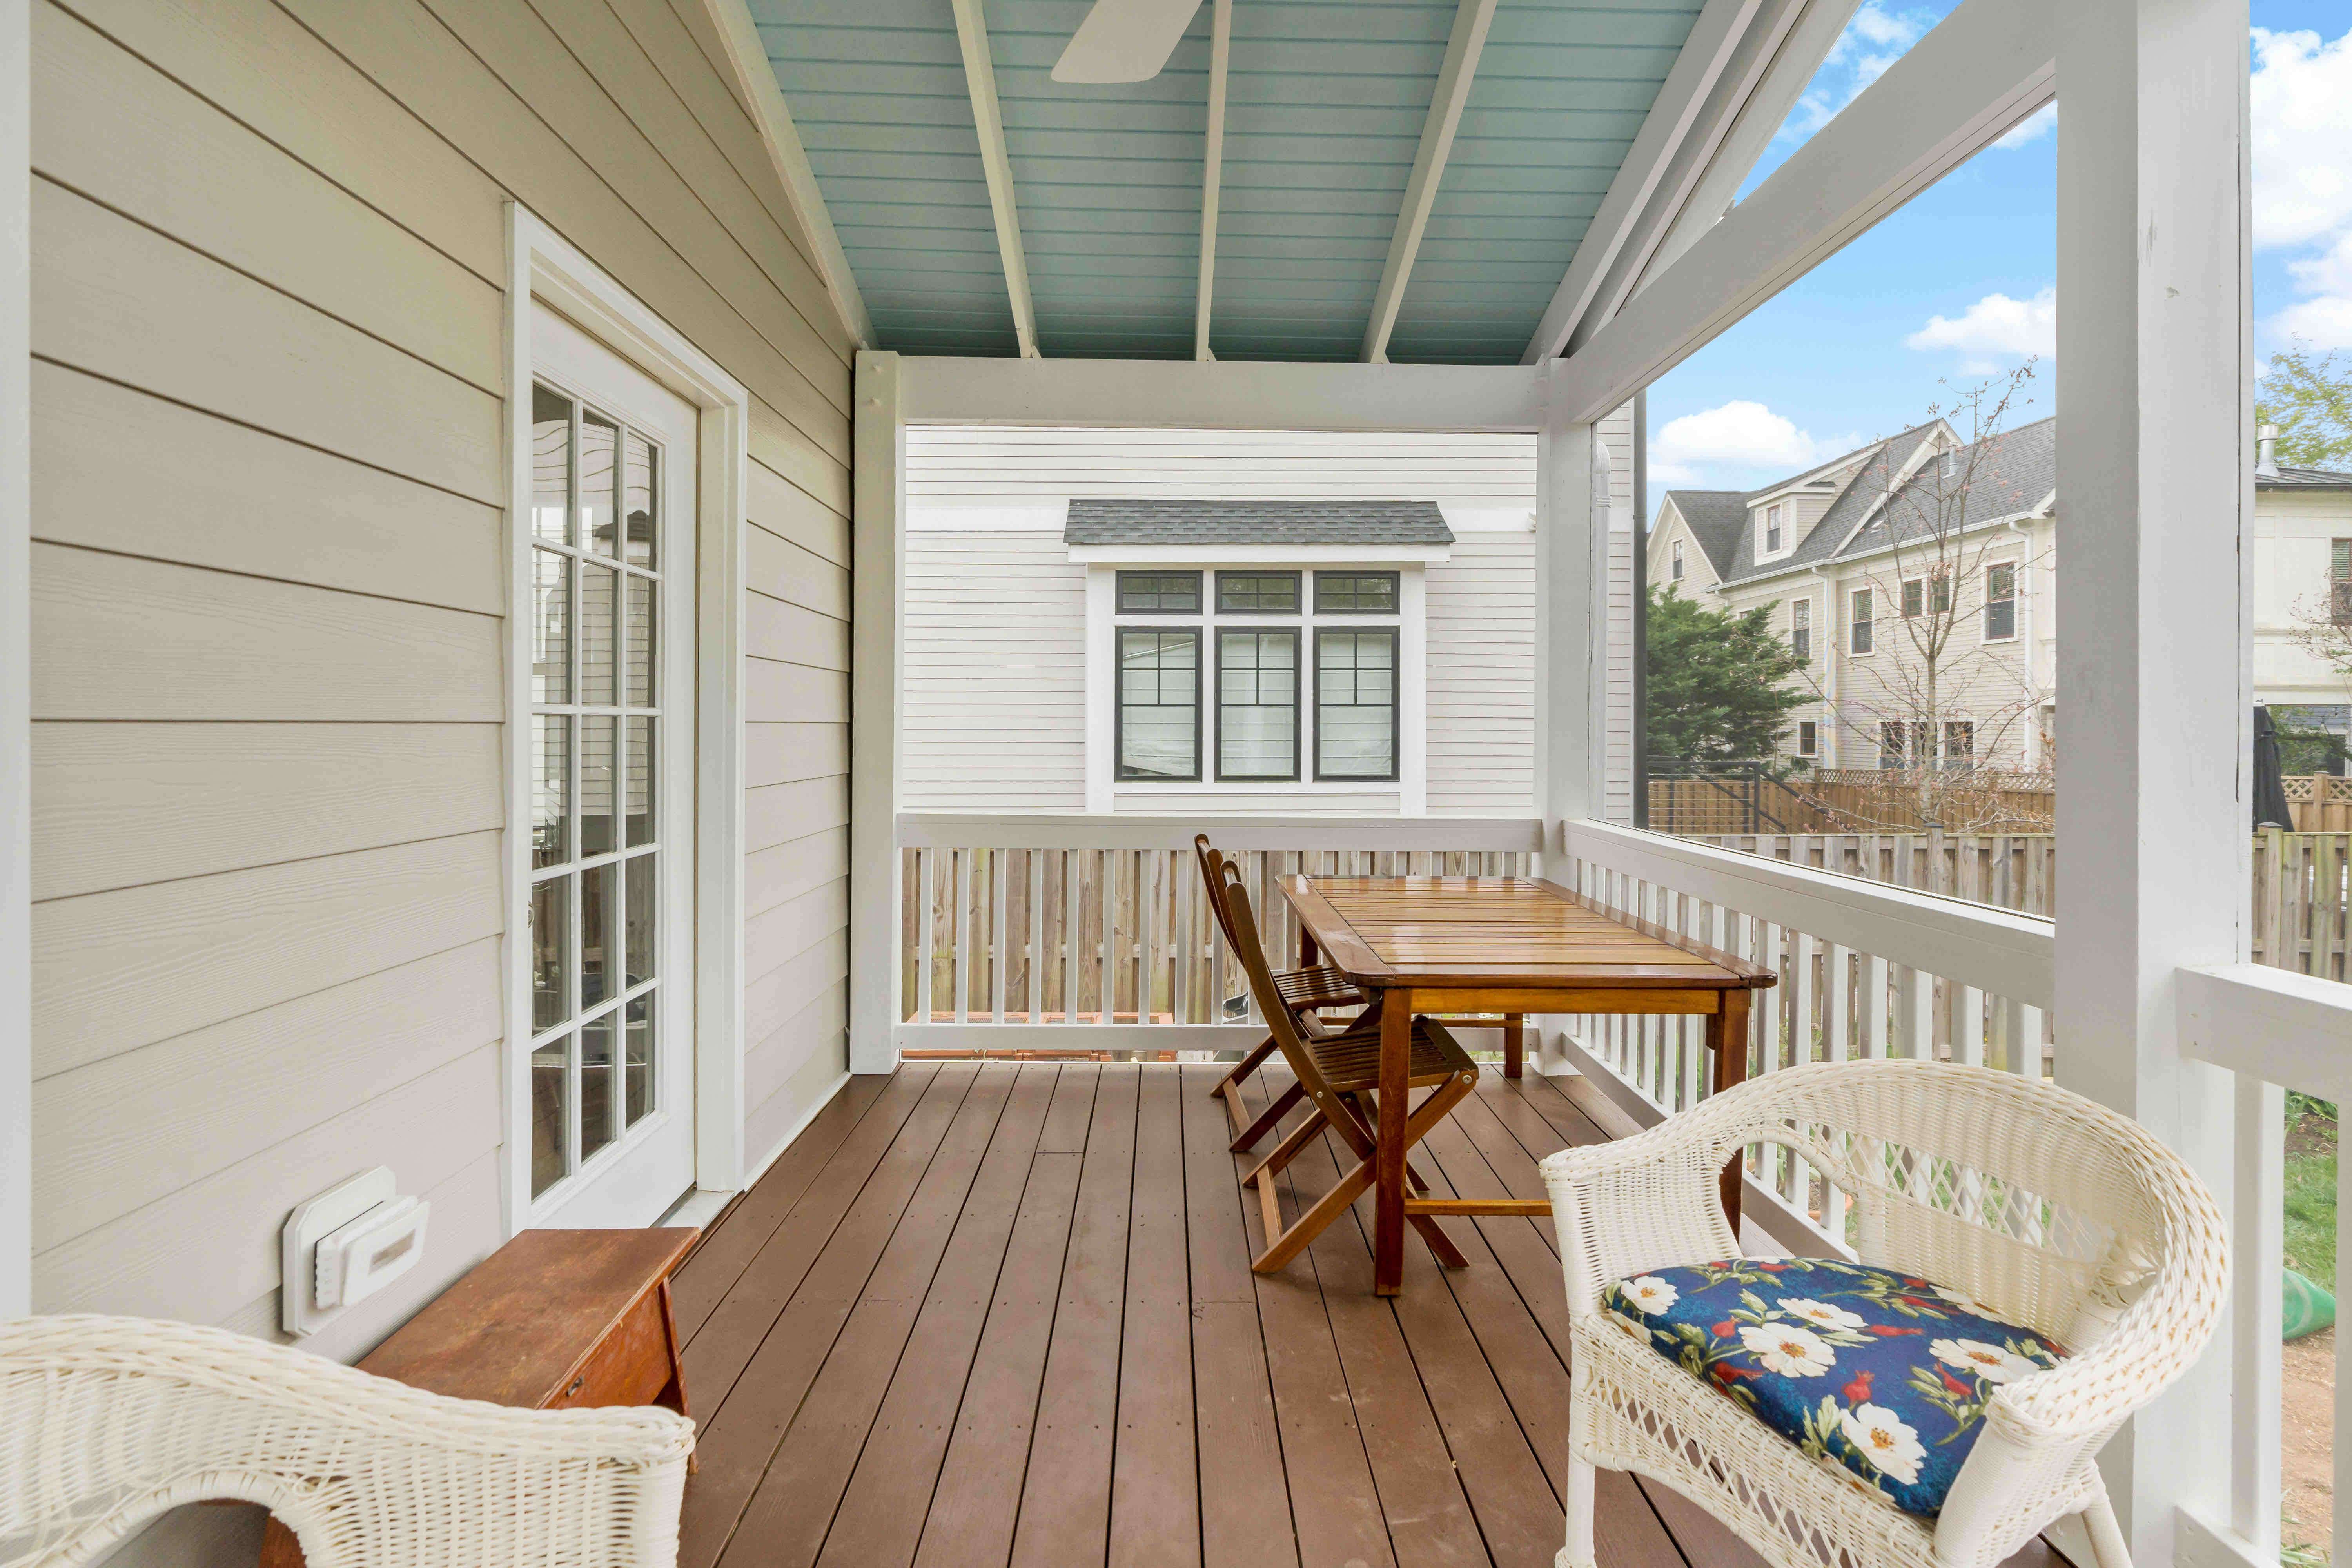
(269, 580)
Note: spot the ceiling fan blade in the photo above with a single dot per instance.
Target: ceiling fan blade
(1124, 41)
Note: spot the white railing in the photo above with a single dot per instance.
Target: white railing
(1867, 970)
(1044, 933)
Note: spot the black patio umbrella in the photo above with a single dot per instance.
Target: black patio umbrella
(2271, 809)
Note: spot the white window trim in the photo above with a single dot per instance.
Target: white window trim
(2016, 601)
(1411, 787)
(542, 264)
(1877, 615)
(1787, 512)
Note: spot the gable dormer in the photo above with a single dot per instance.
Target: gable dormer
(1781, 517)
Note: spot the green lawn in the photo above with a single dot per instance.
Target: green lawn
(2311, 1189)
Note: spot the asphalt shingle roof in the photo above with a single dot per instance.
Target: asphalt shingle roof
(1716, 519)
(1255, 522)
(2012, 473)
(2288, 478)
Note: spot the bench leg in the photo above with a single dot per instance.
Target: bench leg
(1514, 1042)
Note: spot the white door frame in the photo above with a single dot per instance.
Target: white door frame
(16, 662)
(542, 264)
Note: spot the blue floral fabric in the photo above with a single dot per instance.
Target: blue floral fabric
(1879, 1372)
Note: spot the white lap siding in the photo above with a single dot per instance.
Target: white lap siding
(1482, 675)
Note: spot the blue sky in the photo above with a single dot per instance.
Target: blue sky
(1958, 284)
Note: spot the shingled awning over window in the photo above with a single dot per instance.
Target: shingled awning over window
(1167, 523)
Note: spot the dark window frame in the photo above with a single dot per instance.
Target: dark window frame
(1395, 581)
(1808, 738)
(1119, 771)
(2004, 603)
(1297, 594)
(1118, 592)
(1862, 615)
(1298, 704)
(1395, 635)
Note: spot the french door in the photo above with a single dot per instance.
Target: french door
(608, 753)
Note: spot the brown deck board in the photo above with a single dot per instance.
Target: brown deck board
(982, 1314)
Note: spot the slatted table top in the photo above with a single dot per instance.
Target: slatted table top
(1489, 931)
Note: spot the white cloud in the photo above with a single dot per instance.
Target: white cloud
(1995, 330)
(1739, 444)
(1874, 39)
(2034, 127)
(2302, 178)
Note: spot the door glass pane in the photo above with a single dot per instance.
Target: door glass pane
(640, 1047)
(641, 765)
(599, 473)
(550, 935)
(639, 659)
(551, 463)
(550, 788)
(551, 626)
(637, 504)
(548, 1114)
(596, 785)
(645, 882)
(596, 610)
(596, 890)
(596, 1084)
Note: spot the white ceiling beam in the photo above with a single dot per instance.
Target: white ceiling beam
(1760, 117)
(1220, 394)
(987, 121)
(1213, 169)
(1713, 43)
(755, 79)
(1471, 21)
(1988, 66)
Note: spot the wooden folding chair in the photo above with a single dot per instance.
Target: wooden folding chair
(1303, 991)
(1336, 1073)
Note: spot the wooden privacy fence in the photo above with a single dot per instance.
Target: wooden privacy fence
(2319, 803)
(1010, 940)
(2302, 902)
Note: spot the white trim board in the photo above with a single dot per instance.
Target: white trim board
(16, 662)
(542, 264)
(1218, 394)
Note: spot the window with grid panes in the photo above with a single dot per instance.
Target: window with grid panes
(596, 648)
(1356, 727)
(1257, 704)
(2339, 583)
(1356, 593)
(1159, 593)
(1257, 593)
(1159, 704)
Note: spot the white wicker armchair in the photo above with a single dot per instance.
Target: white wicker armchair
(107, 1421)
(2050, 1211)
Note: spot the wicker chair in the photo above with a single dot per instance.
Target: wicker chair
(106, 1422)
(2026, 1203)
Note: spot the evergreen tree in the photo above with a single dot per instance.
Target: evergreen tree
(1715, 682)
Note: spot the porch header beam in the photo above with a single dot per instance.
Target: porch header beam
(988, 122)
(1220, 394)
(1212, 170)
(1471, 21)
(756, 79)
(1988, 66)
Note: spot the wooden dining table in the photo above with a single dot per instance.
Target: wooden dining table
(1451, 946)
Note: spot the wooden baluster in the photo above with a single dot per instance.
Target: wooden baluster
(1033, 997)
(925, 863)
(998, 947)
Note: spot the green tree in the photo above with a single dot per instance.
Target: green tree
(2309, 397)
(1715, 682)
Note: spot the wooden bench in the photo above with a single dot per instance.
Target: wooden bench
(554, 1319)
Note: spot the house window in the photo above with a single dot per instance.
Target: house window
(1159, 593)
(1160, 703)
(1914, 597)
(1257, 702)
(1808, 734)
(1773, 530)
(1960, 744)
(1356, 593)
(1355, 704)
(1257, 593)
(1903, 746)
(1800, 630)
(2340, 583)
(1921, 594)
(1860, 623)
(2000, 603)
(596, 777)
(1678, 561)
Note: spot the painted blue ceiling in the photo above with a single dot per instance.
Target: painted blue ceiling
(1326, 101)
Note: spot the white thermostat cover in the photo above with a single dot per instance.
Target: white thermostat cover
(332, 1210)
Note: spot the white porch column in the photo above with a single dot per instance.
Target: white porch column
(15, 663)
(878, 533)
(1572, 579)
(2154, 391)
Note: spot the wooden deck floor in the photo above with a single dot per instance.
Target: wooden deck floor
(1003, 1314)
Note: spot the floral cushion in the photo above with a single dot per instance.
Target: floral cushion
(1882, 1374)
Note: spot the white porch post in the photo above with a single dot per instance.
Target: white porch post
(15, 663)
(1571, 580)
(2153, 495)
(878, 499)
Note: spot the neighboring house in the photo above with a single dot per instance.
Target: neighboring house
(1816, 548)
(1179, 620)
(1917, 541)
(2303, 593)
